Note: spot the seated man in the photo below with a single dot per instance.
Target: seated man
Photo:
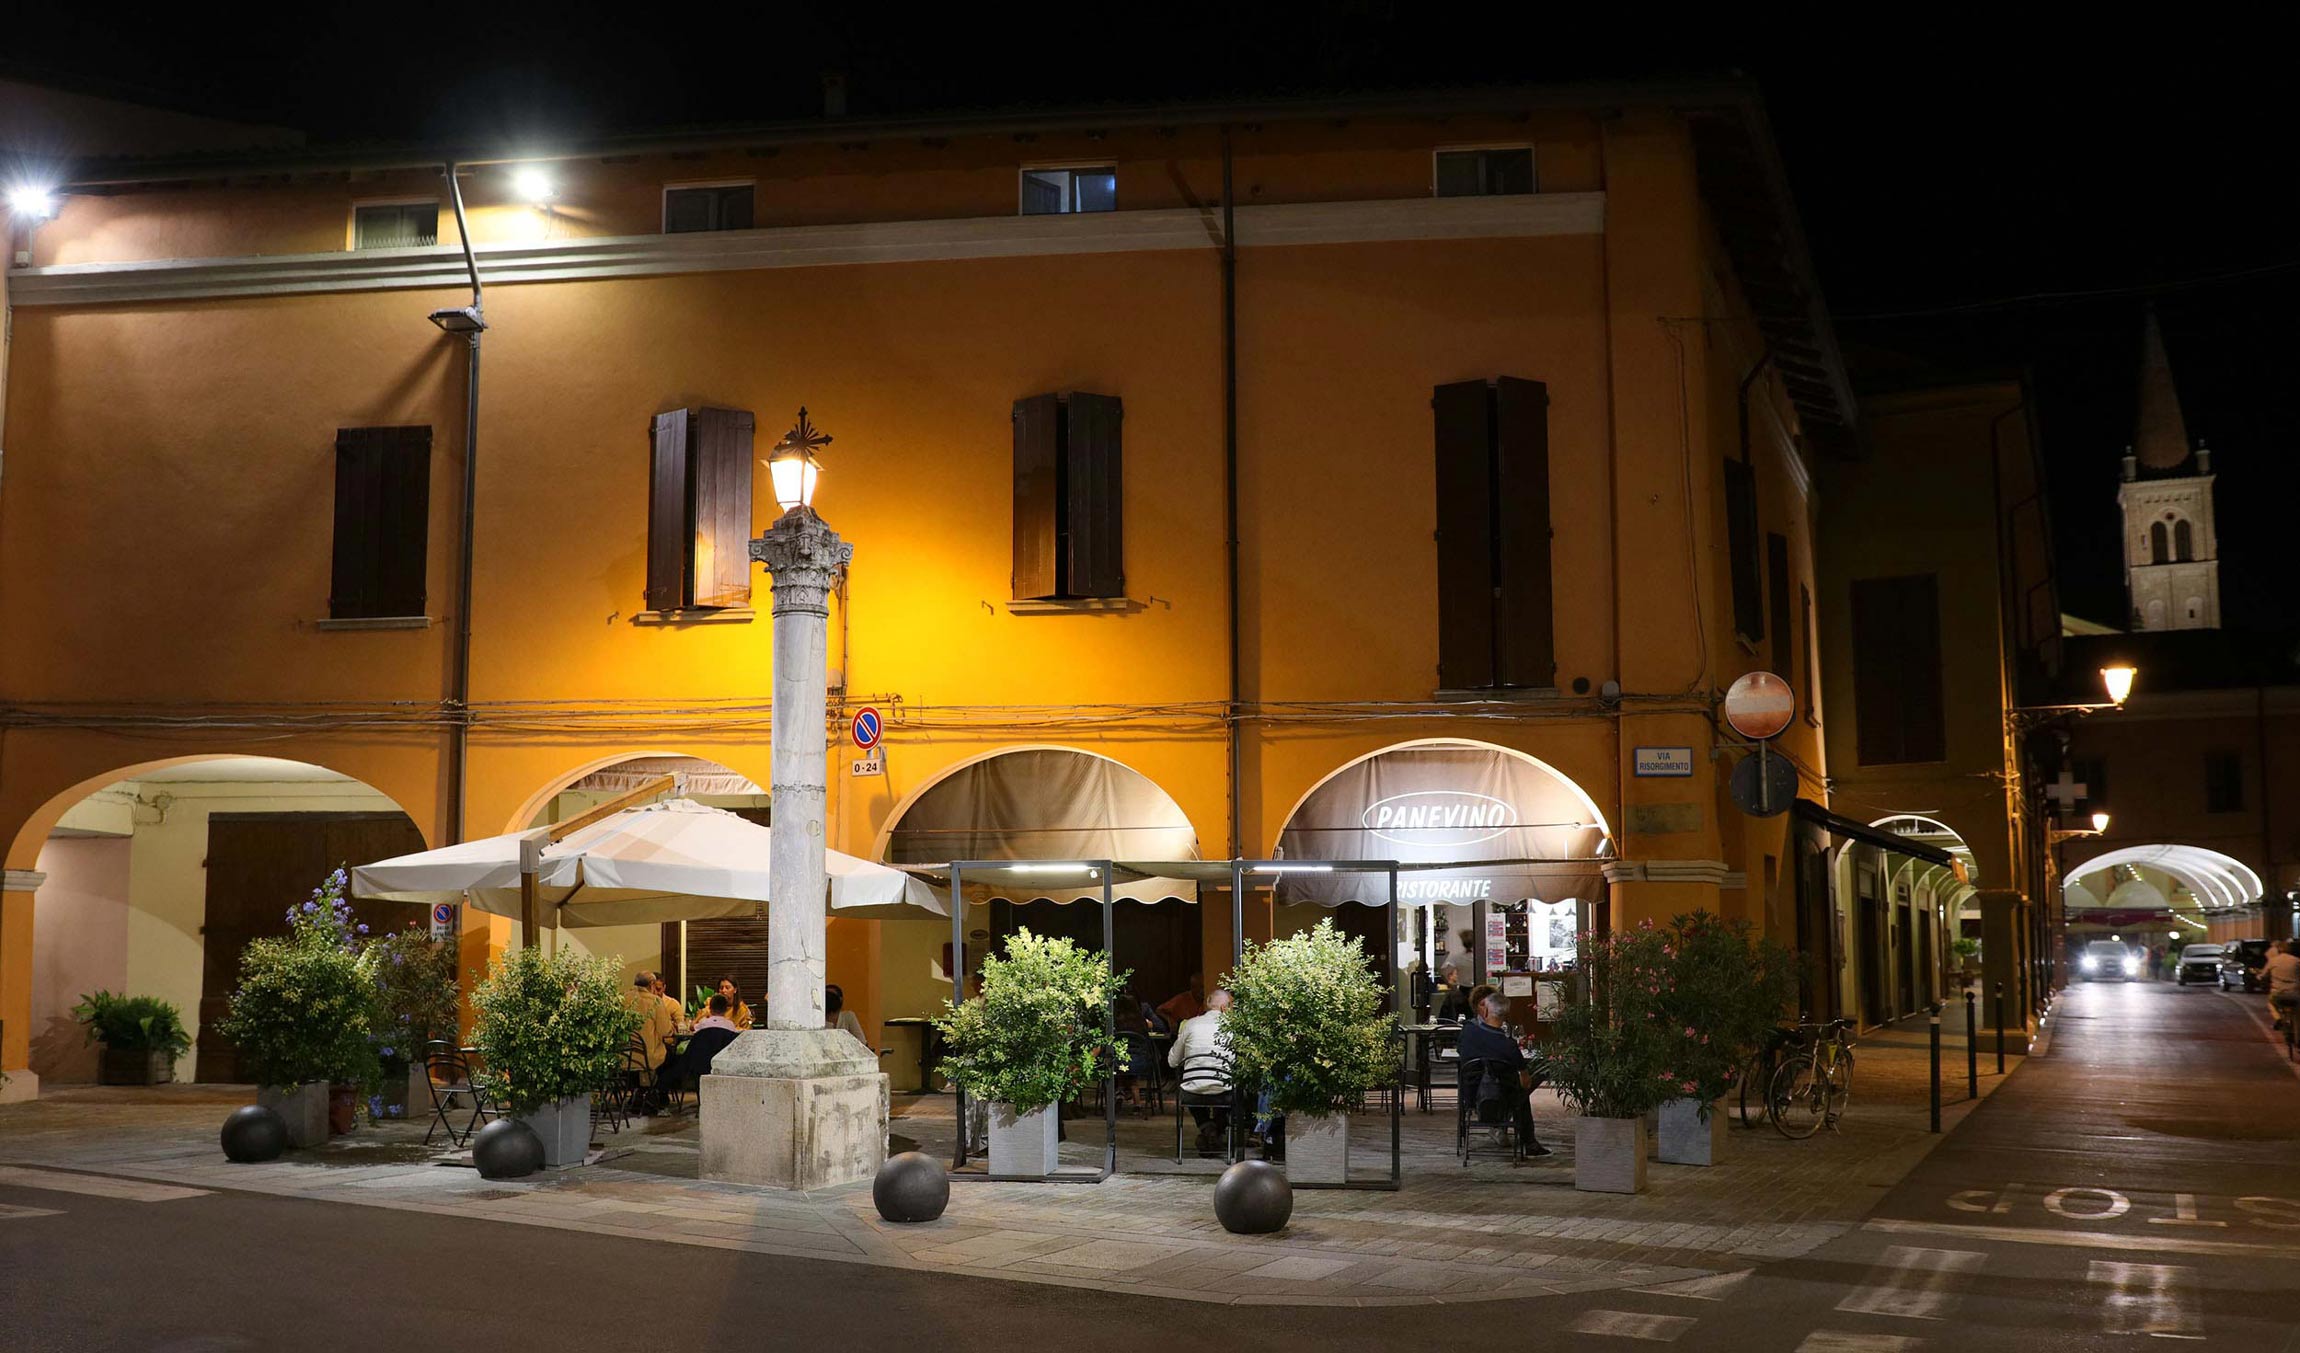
(1185, 1005)
(720, 1016)
(685, 1069)
(2283, 977)
(658, 1016)
(1484, 1040)
(1198, 1041)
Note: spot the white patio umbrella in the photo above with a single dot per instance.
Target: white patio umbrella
(672, 861)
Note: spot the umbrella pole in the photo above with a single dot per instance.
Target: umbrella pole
(529, 935)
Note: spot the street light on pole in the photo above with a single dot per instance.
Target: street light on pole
(793, 1104)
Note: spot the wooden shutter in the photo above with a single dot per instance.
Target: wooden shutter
(1465, 537)
(1897, 671)
(1037, 497)
(1741, 541)
(1777, 599)
(734, 946)
(1094, 556)
(719, 462)
(667, 514)
(382, 522)
(1525, 625)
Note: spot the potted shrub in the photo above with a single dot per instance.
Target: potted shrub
(1968, 952)
(1306, 1027)
(413, 976)
(1726, 988)
(550, 1031)
(1038, 1034)
(301, 1016)
(1606, 1050)
(142, 1037)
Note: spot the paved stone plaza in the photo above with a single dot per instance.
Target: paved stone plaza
(1449, 1234)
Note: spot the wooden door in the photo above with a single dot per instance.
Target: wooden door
(259, 865)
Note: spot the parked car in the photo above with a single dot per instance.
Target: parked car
(2242, 963)
(2199, 963)
(2109, 961)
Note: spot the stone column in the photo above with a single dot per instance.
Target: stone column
(793, 1104)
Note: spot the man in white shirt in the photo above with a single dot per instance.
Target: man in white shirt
(2283, 974)
(1197, 1040)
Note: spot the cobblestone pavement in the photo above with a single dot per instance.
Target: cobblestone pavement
(1449, 1234)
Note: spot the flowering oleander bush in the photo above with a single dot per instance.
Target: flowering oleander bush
(304, 1010)
(1306, 1021)
(1727, 989)
(550, 1027)
(413, 976)
(1609, 1046)
(1039, 1033)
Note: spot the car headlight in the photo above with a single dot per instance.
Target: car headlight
(2132, 967)
(2091, 964)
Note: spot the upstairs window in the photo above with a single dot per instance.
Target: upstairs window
(707, 206)
(1048, 192)
(1495, 611)
(382, 522)
(1069, 492)
(1784, 658)
(1812, 655)
(699, 510)
(395, 225)
(2223, 782)
(1486, 171)
(1897, 671)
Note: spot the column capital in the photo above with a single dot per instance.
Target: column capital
(21, 880)
(803, 556)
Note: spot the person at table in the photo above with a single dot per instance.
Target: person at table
(658, 1016)
(1509, 1076)
(678, 1011)
(1200, 1038)
(1456, 1006)
(837, 1016)
(1184, 1006)
(1130, 1014)
(736, 1010)
(720, 1016)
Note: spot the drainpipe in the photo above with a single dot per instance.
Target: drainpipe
(1764, 359)
(471, 326)
(1230, 492)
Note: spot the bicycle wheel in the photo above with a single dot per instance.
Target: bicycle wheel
(1797, 1100)
(1840, 1087)
(1754, 1078)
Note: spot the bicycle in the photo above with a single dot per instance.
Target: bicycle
(1810, 1089)
(1757, 1073)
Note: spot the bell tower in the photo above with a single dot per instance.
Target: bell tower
(2171, 548)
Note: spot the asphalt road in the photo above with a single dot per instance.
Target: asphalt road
(2142, 1181)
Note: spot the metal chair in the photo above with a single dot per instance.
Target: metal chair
(1476, 1113)
(1208, 1068)
(454, 1085)
(1137, 1048)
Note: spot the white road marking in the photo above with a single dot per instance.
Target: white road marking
(2154, 1299)
(2081, 1240)
(95, 1186)
(1845, 1341)
(2184, 1214)
(1708, 1287)
(2115, 1204)
(9, 1212)
(1660, 1329)
(1911, 1281)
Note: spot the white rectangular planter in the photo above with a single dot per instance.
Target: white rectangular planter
(304, 1107)
(565, 1127)
(1025, 1145)
(418, 1092)
(1318, 1148)
(1686, 1139)
(1609, 1155)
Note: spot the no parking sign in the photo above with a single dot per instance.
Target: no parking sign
(867, 728)
(442, 920)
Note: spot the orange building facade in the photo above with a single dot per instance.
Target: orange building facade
(190, 338)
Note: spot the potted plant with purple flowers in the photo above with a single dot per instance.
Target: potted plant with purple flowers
(303, 1011)
(415, 991)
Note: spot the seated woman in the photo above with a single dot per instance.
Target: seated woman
(837, 1016)
(736, 1010)
(1137, 1063)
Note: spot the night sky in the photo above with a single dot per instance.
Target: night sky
(1979, 200)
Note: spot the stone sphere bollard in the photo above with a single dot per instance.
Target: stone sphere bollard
(254, 1134)
(507, 1149)
(911, 1187)
(1252, 1198)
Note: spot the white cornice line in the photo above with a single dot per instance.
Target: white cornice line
(21, 880)
(1671, 871)
(812, 247)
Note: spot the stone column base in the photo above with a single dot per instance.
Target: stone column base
(793, 1109)
(22, 1085)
